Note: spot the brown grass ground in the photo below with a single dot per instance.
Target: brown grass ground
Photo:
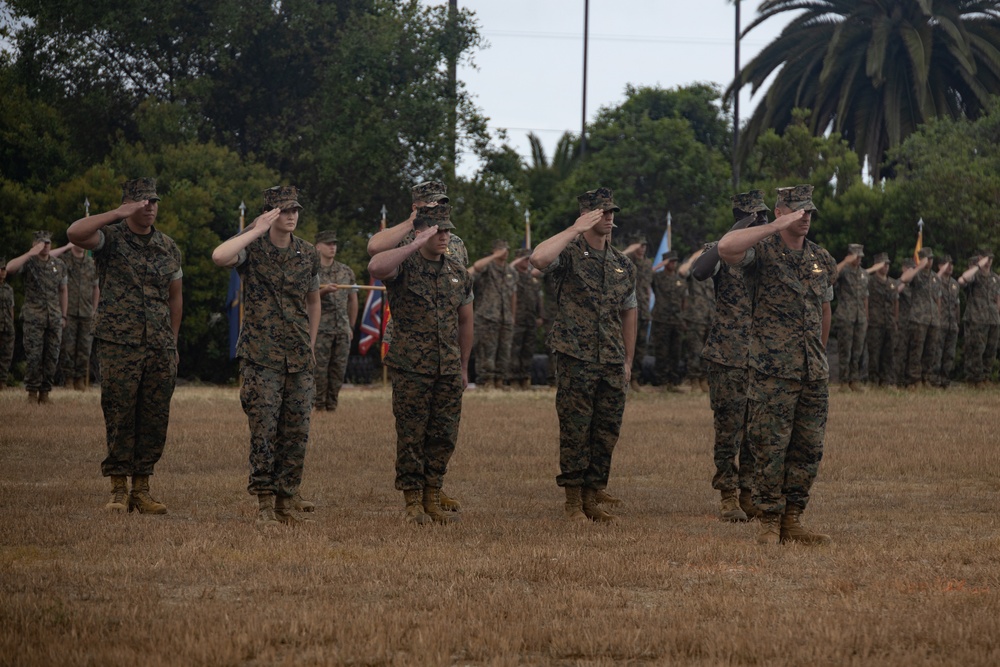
(908, 488)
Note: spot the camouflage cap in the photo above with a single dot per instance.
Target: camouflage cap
(986, 253)
(639, 238)
(430, 191)
(908, 263)
(499, 243)
(41, 235)
(944, 259)
(284, 197)
(856, 249)
(439, 215)
(796, 198)
(599, 199)
(670, 256)
(522, 252)
(326, 236)
(880, 258)
(926, 252)
(140, 189)
(974, 259)
(750, 202)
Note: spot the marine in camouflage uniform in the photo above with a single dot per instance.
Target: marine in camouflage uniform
(670, 299)
(281, 305)
(43, 313)
(901, 345)
(981, 320)
(643, 288)
(924, 289)
(883, 303)
(944, 362)
(527, 319)
(336, 325)
(789, 375)
(725, 357)
(699, 313)
(496, 292)
(77, 337)
(6, 324)
(850, 318)
(136, 326)
(594, 336)
(431, 296)
(550, 306)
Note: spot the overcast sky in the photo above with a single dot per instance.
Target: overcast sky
(530, 77)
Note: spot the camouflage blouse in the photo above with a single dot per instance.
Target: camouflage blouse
(6, 308)
(852, 292)
(424, 299)
(791, 286)
(135, 276)
(275, 332)
(728, 341)
(42, 279)
(592, 288)
(334, 319)
(495, 288)
(882, 298)
(981, 299)
(82, 275)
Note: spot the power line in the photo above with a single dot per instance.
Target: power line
(619, 38)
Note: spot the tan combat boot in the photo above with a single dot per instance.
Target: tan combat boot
(574, 504)
(792, 529)
(415, 507)
(432, 506)
(746, 504)
(301, 504)
(770, 529)
(265, 511)
(449, 504)
(526, 384)
(634, 385)
(140, 499)
(705, 387)
(43, 397)
(119, 494)
(32, 396)
(602, 497)
(730, 510)
(286, 512)
(591, 509)
(79, 384)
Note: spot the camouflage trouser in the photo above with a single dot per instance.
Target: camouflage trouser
(332, 352)
(786, 429)
(879, 341)
(694, 343)
(6, 353)
(980, 351)
(922, 344)
(522, 352)
(851, 348)
(277, 405)
(41, 350)
(900, 354)
(428, 409)
(136, 386)
(493, 340)
(641, 344)
(667, 340)
(76, 342)
(734, 463)
(590, 402)
(944, 362)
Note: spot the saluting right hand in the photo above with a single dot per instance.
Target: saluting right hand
(130, 207)
(587, 221)
(787, 220)
(264, 221)
(424, 235)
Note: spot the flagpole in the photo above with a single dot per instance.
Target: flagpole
(243, 212)
(527, 229)
(920, 241)
(385, 302)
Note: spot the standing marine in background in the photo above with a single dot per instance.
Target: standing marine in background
(925, 302)
(636, 251)
(883, 314)
(594, 337)
(136, 328)
(981, 321)
(276, 348)
(850, 319)
(84, 292)
(944, 362)
(336, 324)
(43, 313)
(725, 356)
(7, 330)
(699, 314)
(670, 292)
(527, 319)
(495, 284)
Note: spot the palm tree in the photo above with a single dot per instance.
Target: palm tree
(874, 70)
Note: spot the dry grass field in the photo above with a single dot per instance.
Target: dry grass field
(909, 489)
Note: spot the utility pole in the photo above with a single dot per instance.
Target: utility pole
(452, 129)
(583, 122)
(736, 104)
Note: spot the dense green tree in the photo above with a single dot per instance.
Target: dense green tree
(874, 70)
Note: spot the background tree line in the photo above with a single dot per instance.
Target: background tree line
(350, 100)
